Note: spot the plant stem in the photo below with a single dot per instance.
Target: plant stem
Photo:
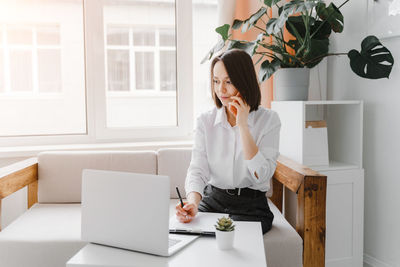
(343, 4)
(263, 20)
(322, 56)
(283, 40)
(280, 39)
(306, 21)
(296, 33)
(283, 53)
(268, 54)
(261, 29)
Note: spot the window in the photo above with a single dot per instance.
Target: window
(141, 69)
(33, 53)
(205, 19)
(79, 71)
(148, 88)
(139, 48)
(42, 84)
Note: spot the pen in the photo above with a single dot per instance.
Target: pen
(179, 195)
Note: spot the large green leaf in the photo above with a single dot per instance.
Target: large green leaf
(256, 16)
(217, 47)
(274, 25)
(374, 61)
(287, 60)
(294, 6)
(271, 2)
(318, 50)
(243, 45)
(294, 44)
(237, 23)
(268, 68)
(223, 31)
(252, 20)
(298, 24)
(331, 15)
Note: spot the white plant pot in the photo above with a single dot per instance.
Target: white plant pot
(225, 239)
(291, 84)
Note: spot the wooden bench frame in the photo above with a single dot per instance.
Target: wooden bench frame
(309, 186)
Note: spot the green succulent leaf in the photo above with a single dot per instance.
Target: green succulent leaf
(331, 15)
(268, 68)
(271, 2)
(223, 31)
(225, 224)
(374, 61)
(217, 47)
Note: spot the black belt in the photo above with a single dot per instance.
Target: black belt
(245, 192)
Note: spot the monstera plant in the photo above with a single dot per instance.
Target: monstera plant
(310, 22)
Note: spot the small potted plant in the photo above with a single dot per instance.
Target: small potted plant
(225, 233)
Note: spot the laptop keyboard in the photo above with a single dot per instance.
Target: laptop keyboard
(172, 242)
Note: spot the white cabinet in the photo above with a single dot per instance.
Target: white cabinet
(345, 187)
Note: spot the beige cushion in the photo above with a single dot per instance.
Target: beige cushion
(60, 173)
(283, 245)
(174, 163)
(47, 235)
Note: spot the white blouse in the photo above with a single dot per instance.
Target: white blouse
(217, 155)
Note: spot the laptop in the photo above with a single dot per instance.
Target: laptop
(129, 211)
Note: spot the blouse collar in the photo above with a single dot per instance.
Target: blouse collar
(222, 119)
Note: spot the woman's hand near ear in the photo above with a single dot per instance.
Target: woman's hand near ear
(242, 110)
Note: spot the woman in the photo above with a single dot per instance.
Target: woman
(235, 147)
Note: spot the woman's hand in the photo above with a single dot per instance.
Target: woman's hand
(187, 213)
(242, 110)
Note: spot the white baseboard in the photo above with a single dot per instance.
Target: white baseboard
(375, 262)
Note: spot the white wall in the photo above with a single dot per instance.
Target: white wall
(381, 154)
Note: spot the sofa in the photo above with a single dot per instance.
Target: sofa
(48, 233)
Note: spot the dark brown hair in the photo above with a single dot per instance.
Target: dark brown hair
(240, 68)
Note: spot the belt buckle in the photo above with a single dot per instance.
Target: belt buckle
(236, 192)
(229, 193)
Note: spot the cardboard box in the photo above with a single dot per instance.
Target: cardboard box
(316, 144)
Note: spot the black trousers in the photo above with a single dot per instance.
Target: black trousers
(244, 207)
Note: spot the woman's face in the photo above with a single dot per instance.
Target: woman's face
(223, 87)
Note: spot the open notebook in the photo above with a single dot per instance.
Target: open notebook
(202, 224)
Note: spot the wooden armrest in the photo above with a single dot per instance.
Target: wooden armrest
(18, 175)
(291, 174)
(310, 187)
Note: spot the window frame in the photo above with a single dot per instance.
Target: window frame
(156, 49)
(6, 48)
(96, 130)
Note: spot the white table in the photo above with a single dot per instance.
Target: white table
(203, 252)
